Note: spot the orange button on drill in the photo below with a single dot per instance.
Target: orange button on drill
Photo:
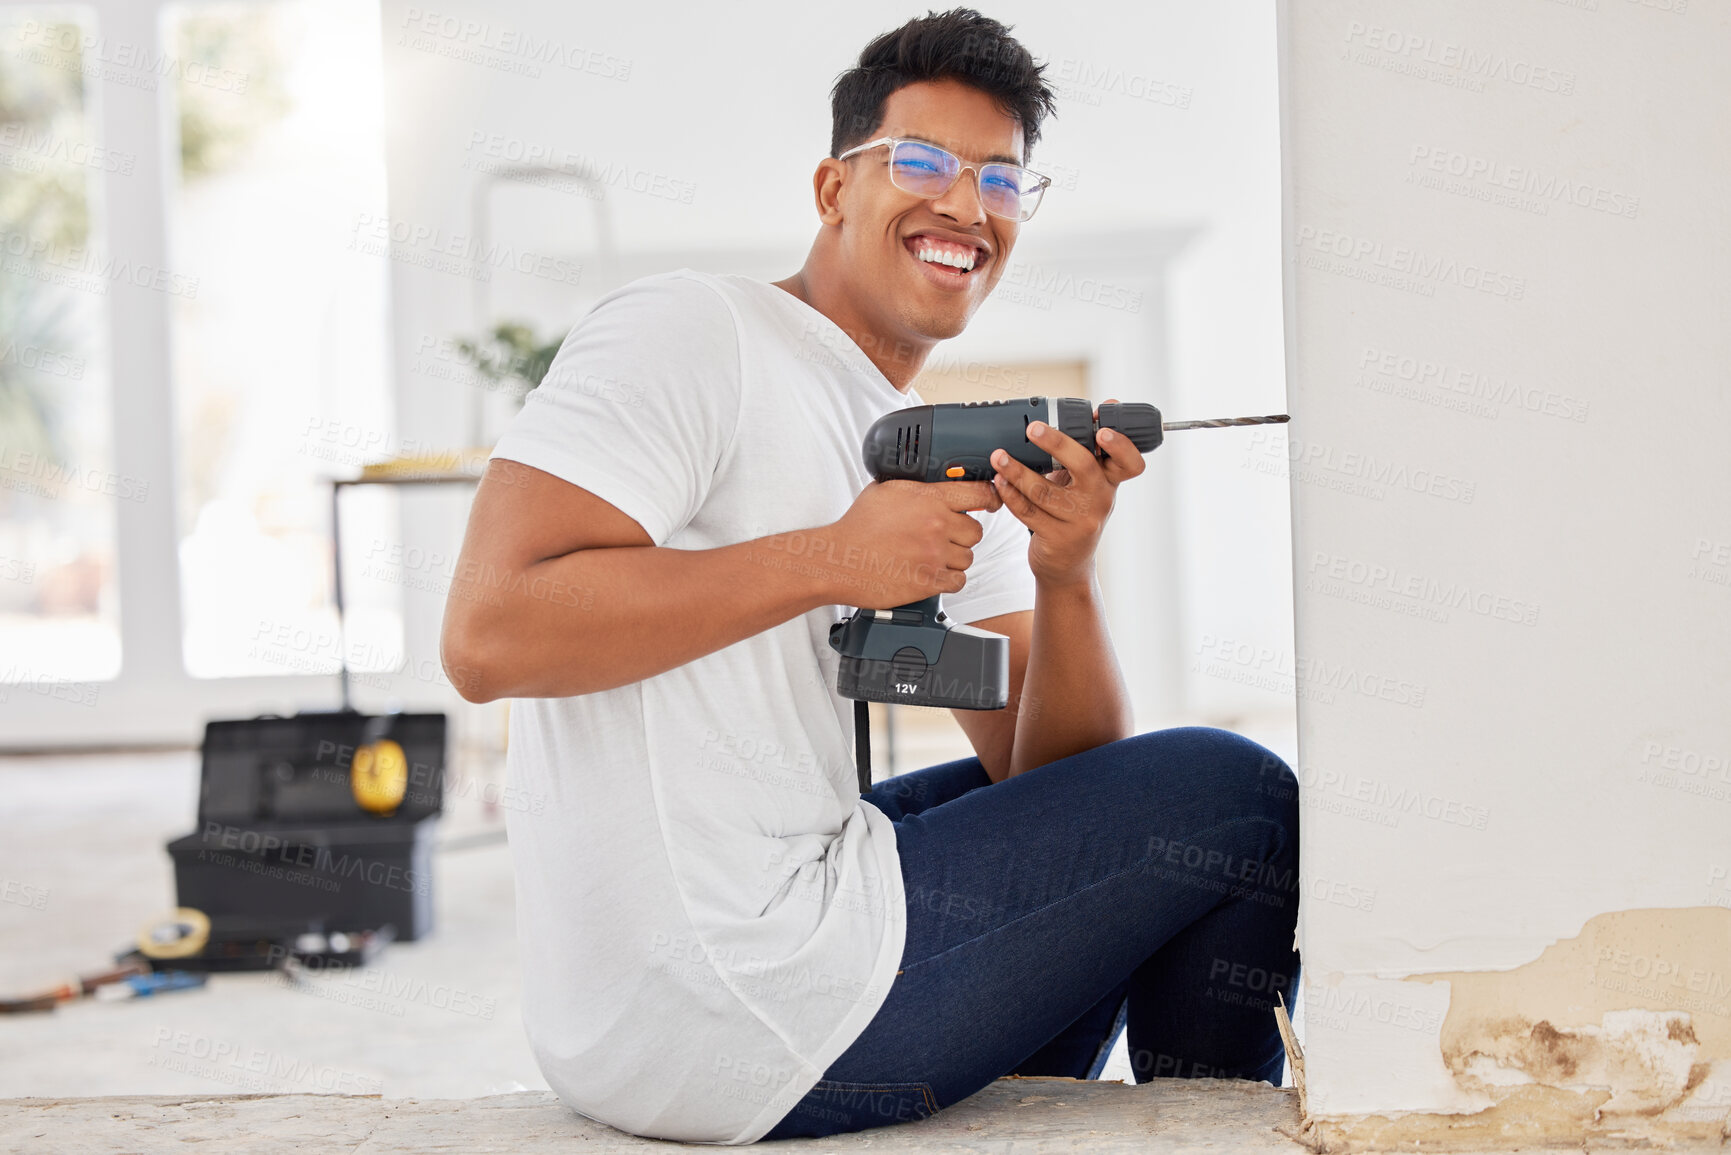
(954, 471)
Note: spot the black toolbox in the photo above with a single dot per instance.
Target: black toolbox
(290, 843)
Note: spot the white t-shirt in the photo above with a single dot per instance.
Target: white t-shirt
(709, 914)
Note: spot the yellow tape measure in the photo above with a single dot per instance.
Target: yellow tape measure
(379, 776)
(180, 935)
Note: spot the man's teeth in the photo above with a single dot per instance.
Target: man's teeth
(945, 257)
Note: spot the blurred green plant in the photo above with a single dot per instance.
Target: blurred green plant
(511, 352)
(247, 42)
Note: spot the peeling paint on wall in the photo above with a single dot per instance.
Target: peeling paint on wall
(1623, 1030)
(1637, 1004)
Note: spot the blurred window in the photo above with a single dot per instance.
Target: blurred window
(59, 611)
(281, 362)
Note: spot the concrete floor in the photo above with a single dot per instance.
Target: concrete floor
(1012, 1117)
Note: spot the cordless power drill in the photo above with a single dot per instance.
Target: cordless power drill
(912, 654)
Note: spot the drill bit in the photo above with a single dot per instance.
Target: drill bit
(1223, 422)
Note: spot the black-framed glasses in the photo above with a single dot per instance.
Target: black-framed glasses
(1006, 190)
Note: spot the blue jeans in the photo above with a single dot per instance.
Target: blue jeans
(1148, 885)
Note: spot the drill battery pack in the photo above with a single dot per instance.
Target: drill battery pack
(912, 655)
(313, 824)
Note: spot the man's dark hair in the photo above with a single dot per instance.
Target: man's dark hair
(961, 44)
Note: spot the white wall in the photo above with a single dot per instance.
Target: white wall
(1545, 760)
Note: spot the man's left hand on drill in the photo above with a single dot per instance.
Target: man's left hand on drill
(1066, 509)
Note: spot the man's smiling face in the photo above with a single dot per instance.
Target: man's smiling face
(884, 229)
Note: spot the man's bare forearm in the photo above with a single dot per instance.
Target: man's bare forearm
(600, 618)
(1073, 696)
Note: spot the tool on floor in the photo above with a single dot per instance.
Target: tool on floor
(317, 827)
(175, 952)
(320, 824)
(912, 654)
(180, 935)
(129, 968)
(144, 986)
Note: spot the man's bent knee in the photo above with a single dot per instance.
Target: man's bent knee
(1236, 767)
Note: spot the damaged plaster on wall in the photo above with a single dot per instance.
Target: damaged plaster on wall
(1621, 1032)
